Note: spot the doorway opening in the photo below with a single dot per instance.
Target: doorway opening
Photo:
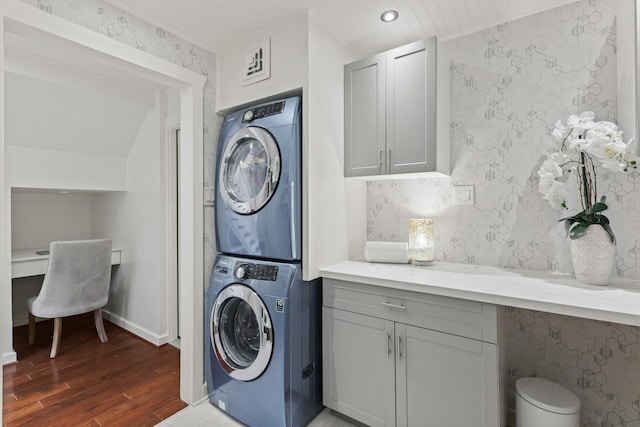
(65, 40)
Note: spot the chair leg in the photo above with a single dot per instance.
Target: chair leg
(32, 329)
(57, 333)
(97, 316)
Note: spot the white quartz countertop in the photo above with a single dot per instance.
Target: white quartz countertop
(617, 302)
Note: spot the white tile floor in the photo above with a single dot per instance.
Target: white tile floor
(206, 415)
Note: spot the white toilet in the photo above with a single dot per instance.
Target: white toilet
(542, 403)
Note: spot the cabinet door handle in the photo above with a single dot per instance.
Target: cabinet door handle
(389, 161)
(389, 345)
(399, 348)
(381, 152)
(392, 305)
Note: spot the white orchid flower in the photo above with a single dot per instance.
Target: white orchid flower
(550, 166)
(557, 195)
(578, 143)
(606, 149)
(581, 141)
(546, 181)
(582, 122)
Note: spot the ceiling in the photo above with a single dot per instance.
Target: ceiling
(213, 23)
(60, 95)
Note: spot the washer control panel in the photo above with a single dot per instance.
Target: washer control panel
(263, 111)
(246, 270)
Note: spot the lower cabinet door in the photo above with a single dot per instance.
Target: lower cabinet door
(358, 366)
(445, 380)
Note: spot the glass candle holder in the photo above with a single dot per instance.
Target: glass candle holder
(421, 241)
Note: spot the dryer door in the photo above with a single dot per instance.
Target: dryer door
(249, 170)
(241, 332)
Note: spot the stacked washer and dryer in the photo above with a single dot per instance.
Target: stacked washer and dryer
(262, 321)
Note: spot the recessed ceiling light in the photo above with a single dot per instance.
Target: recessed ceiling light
(389, 16)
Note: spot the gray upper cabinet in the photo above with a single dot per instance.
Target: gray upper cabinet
(390, 118)
(365, 145)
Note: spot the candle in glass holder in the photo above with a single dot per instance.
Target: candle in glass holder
(421, 241)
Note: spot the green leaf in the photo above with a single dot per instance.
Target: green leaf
(580, 216)
(598, 207)
(583, 217)
(578, 231)
(568, 223)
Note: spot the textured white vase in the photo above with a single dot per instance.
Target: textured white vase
(592, 256)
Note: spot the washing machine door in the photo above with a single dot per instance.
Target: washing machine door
(250, 170)
(241, 332)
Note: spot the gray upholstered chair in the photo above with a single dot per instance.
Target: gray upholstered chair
(76, 282)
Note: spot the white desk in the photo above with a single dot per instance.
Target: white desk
(27, 262)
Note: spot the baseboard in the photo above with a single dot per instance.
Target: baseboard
(10, 357)
(143, 333)
(204, 398)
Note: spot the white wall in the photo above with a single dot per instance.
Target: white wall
(38, 218)
(135, 221)
(288, 64)
(66, 127)
(334, 211)
(65, 110)
(305, 55)
(52, 169)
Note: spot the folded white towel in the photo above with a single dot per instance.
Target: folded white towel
(393, 252)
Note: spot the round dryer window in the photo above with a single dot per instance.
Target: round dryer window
(250, 170)
(241, 332)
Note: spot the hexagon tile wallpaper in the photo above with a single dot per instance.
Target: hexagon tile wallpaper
(509, 85)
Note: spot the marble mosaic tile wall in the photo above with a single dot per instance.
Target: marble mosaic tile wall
(598, 361)
(131, 30)
(509, 85)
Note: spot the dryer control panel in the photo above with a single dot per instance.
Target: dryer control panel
(263, 111)
(245, 270)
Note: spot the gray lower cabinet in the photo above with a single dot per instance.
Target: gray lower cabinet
(390, 118)
(359, 367)
(385, 364)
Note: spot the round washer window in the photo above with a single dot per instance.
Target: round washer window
(250, 170)
(241, 332)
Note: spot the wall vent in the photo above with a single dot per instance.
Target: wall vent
(257, 63)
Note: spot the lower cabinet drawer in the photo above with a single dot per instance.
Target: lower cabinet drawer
(465, 318)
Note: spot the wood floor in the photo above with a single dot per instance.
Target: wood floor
(124, 382)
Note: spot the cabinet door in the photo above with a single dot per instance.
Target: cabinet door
(358, 366)
(364, 127)
(410, 103)
(445, 380)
